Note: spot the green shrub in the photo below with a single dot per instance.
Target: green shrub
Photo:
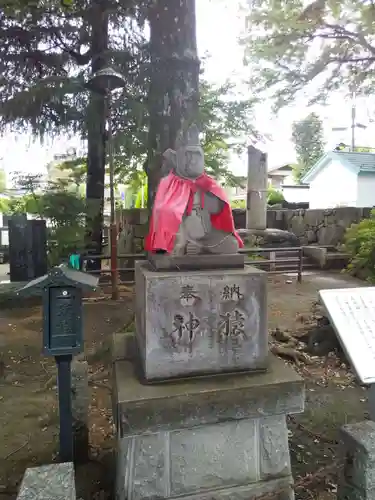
(141, 197)
(359, 242)
(238, 204)
(274, 197)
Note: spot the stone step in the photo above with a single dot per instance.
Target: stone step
(338, 255)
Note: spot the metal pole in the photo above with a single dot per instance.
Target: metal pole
(353, 128)
(371, 401)
(113, 227)
(353, 96)
(64, 384)
(300, 265)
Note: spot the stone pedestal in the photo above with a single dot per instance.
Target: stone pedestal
(200, 322)
(207, 439)
(357, 481)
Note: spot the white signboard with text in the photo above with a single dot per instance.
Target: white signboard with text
(352, 313)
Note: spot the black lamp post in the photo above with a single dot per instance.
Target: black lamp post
(104, 82)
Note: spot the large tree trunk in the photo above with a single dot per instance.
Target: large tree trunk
(173, 96)
(96, 154)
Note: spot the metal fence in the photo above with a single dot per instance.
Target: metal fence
(272, 260)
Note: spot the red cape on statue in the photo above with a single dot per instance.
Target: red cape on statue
(173, 199)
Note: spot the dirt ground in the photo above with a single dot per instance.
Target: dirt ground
(29, 418)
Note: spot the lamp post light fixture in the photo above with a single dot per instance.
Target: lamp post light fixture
(103, 82)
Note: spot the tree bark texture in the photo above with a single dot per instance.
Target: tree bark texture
(174, 86)
(96, 128)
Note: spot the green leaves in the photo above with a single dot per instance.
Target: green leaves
(274, 196)
(226, 122)
(65, 209)
(360, 243)
(44, 61)
(308, 138)
(290, 45)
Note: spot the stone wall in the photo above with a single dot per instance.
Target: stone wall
(133, 227)
(317, 227)
(311, 226)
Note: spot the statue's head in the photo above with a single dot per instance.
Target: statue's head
(188, 159)
(189, 154)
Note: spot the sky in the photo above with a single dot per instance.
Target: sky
(219, 26)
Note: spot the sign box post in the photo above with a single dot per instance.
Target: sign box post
(61, 290)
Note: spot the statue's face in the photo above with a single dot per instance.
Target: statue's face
(190, 163)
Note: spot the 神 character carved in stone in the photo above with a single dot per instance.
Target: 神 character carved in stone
(191, 212)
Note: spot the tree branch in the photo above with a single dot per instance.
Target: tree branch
(354, 36)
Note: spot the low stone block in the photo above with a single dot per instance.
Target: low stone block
(359, 461)
(48, 482)
(274, 447)
(200, 322)
(350, 492)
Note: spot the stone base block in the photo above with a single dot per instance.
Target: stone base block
(208, 439)
(357, 480)
(200, 322)
(55, 481)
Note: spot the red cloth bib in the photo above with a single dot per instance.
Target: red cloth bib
(173, 199)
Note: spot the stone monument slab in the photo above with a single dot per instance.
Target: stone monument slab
(352, 313)
(200, 322)
(205, 438)
(39, 247)
(20, 249)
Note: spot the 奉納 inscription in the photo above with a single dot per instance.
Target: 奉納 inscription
(184, 329)
(231, 293)
(188, 295)
(232, 326)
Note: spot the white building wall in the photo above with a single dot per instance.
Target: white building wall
(276, 181)
(289, 180)
(335, 185)
(366, 190)
(296, 194)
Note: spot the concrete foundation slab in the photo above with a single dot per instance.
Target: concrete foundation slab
(208, 321)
